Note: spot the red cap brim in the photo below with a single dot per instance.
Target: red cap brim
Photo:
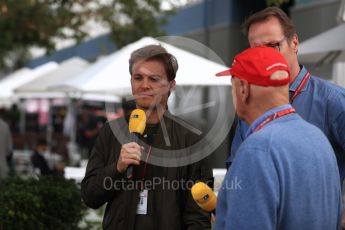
(223, 73)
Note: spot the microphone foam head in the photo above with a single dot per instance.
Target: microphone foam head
(137, 121)
(204, 196)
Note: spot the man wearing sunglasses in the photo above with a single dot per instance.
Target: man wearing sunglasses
(317, 101)
(287, 181)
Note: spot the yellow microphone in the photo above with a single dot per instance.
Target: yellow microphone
(204, 197)
(137, 121)
(137, 125)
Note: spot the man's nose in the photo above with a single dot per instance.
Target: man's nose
(145, 83)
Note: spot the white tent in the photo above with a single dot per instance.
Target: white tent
(326, 46)
(39, 87)
(7, 84)
(111, 74)
(21, 77)
(66, 70)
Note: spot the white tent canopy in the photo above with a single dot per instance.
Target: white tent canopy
(111, 74)
(7, 84)
(327, 45)
(66, 70)
(21, 77)
(39, 87)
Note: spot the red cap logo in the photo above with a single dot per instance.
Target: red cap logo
(256, 65)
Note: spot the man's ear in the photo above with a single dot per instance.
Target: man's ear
(294, 43)
(172, 85)
(244, 91)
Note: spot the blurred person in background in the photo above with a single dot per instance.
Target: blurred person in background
(6, 149)
(89, 126)
(40, 163)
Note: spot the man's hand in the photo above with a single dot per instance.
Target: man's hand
(129, 155)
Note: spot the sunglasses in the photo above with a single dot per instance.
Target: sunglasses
(276, 45)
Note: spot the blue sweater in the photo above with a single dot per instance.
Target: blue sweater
(320, 103)
(284, 176)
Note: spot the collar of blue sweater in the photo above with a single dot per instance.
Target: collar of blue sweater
(264, 116)
(294, 85)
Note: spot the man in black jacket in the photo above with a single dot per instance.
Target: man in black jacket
(165, 166)
(40, 163)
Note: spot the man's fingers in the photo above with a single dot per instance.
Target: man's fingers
(132, 155)
(130, 161)
(131, 145)
(132, 151)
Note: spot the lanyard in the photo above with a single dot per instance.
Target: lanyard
(300, 86)
(273, 117)
(143, 172)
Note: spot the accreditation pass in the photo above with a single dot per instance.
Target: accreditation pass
(142, 205)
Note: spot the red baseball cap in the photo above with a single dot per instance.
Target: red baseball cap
(256, 65)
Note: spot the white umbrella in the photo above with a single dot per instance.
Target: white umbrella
(326, 46)
(111, 74)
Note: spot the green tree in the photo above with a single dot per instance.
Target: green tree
(39, 23)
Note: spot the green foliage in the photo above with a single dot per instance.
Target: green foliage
(47, 203)
(28, 23)
(139, 21)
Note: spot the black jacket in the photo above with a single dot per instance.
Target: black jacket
(39, 162)
(170, 208)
